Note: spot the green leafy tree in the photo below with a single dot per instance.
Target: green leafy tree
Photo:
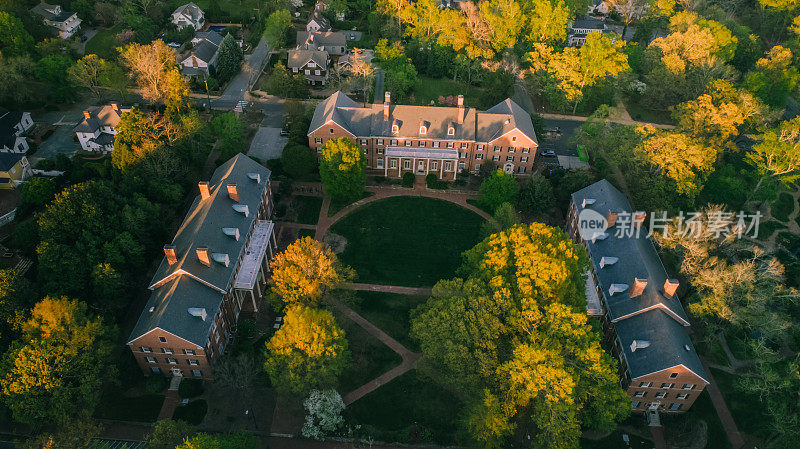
(16, 73)
(54, 72)
(36, 192)
(536, 195)
(309, 351)
(168, 433)
(87, 73)
(228, 129)
(234, 440)
(498, 189)
(14, 39)
(281, 82)
(548, 20)
(774, 77)
(137, 136)
(401, 75)
(298, 160)
(504, 217)
(229, 59)
(777, 154)
(48, 374)
(276, 28)
(343, 169)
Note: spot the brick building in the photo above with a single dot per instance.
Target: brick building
(214, 269)
(428, 139)
(644, 323)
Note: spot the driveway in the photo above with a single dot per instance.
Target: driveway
(244, 80)
(378, 86)
(60, 142)
(267, 144)
(560, 143)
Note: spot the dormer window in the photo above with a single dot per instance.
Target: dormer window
(395, 129)
(423, 130)
(451, 131)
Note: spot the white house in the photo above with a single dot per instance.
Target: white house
(313, 64)
(189, 15)
(97, 130)
(66, 22)
(12, 126)
(203, 54)
(581, 27)
(318, 23)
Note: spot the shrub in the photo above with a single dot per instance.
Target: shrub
(155, 384)
(536, 195)
(324, 414)
(433, 182)
(298, 160)
(408, 179)
(498, 189)
(190, 388)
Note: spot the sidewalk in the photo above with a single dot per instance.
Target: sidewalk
(735, 437)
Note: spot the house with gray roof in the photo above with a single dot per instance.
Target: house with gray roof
(97, 129)
(203, 54)
(214, 270)
(313, 64)
(582, 26)
(318, 23)
(332, 42)
(637, 302)
(13, 124)
(65, 22)
(188, 15)
(429, 139)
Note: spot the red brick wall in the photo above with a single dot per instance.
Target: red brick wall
(671, 394)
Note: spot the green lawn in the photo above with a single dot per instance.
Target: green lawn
(104, 43)
(390, 312)
(336, 205)
(409, 409)
(615, 441)
(307, 208)
(371, 358)
(747, 410)
(114, 405)
(679, 428)
(430, 89)
(408, 241)
(306, 233)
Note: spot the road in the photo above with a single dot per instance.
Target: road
(245, 79)
(378, 86)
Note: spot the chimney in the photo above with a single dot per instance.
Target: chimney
(169, 251)
(199, 312)
(194, 61)
(221, 258)
(115, 106)
(611, 218)
(231, 232)
(204, 190)
(203, 256)
(387, 100)
(671, 287)
(233, 192)
(638, 287)
(617, 288)
(86, 115)
(461, 109)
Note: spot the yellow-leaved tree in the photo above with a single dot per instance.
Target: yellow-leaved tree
(305, 271)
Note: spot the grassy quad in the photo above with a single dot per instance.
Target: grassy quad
(407, 241)
(391, 313)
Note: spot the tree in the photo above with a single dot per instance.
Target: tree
(343, 169)
(54, 72)
(229, 59)
(694, 42)
(323, 414)
(283, 83)
(536, 195)
(276, 28)
(48, 375)
(16, 73)
(548, 20)
(14, 39)
(168, 433)
(36, 192)
(87, 72)
(113, 79)
(234, 440)
(137, 136)
(305, 271)
(308, 351)
(498, 189)
(774, 78)
(777, 153)
(228, 128)
(155, 73)
(363, 72)
(687, 168)
(298, 160)
(16, 296)
(78, 434)
(400, 73)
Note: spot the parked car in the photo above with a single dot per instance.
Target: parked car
(352, 36)
(284, 132)
(547, 152)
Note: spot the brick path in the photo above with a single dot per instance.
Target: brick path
(657, 432)
(171, 399)
(735, 437)
(419, 291)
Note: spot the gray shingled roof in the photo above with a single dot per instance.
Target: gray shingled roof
(202, 227)
(211, 36)
(100, 116)
(8, 119)
(321, 20)
(299, 58)
(8, 160)
(204, 51)
(588, 23)
(326, 38)
(491, 124)
(47, 11)
(190, 10)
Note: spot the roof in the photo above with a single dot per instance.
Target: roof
(100, 116)
(321, 20)
(8, 120)
(366, 55)
(588, 23)
(204, 51)
(325, 39)
(369, 120)
(210, 36)
(188, 283)
(299, 58)
(8, 160)
(53, 13)
(190, 11)
(651, 316)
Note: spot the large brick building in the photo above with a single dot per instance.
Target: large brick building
(214, 269)
(427, 139)
(644, 323)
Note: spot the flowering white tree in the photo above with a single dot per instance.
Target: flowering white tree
(296, 3)
(324, 413)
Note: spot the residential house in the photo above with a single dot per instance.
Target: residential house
(313, 64)
(581, 27)
(97, 129)
(13, 125)
(203, 55)
(189, 15)
(332, 42)
(214, 270)
(345, 61)
(428, 139)
(644, 323)
(65, 22)
(318, 23)
(14, 170)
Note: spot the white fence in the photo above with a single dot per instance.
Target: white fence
(8, 218)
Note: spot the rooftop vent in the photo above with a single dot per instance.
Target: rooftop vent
(231, 232)
(152, 309)
(242, 209)
(639, 344)
(686, 347)
(587, 202)
(255, 177)
(617, 288)
(607, 260)
(199, 312)
(599, 236)
(638, 287)
(221, 258)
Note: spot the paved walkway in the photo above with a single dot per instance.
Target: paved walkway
(420, 291)
(657, 433)
(735, 437)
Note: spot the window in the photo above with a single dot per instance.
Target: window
(294, 69)
(331, 130)
(146, 349)
(155, 370)
(172, 361)
(436, 144)
(666, 386)
(363, 141)
(645, 384)
(197, 373)
(422, 144)
(673, 375)
(449, 144)
(393, 142)
(661, 394)
(464, 145)
(526, 150)
(675, 406)
(635, 404)
(312, 64)
(497, 148)
(423, 130)
(688, 386)
(407, 164)
(318, 140)
(379, 151)
(448, 165)
(167, 350)
(393, 163)
(380, 141)
(316, 72)
(379, 163)
(451, 131)
(434, 165)
(193, 362)
(477, 167)
(150, 359)
(511, 149)
(395, 129)
(189, 351)
(509, 158)
(307, 72)
(640, 394)
(462, 154)
(520, 169)
(461, 166)
(496, 157)
(480, 147)
(162, 339)
(478, 157)
(408, 143)
(683, 396)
